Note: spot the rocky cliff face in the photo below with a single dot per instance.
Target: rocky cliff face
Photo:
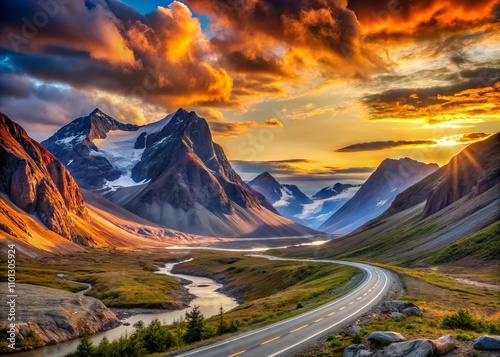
(377, 194)
(185, 167)
(51, 315)
(474, 171)
(36, 182)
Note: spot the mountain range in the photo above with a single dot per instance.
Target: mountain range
(458, 204)
(377, 194)
(293, 204)
(128, 185)
(43, 209)
(169, 172)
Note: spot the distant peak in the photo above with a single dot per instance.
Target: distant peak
(264, 177)
(96, 111)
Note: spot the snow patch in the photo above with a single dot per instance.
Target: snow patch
(312, 209)
(286, 195)
(118, 149)
(380, 203)
(69, 162)
(70, 139)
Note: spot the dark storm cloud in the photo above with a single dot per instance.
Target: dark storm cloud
(108, 45)
(254, 35)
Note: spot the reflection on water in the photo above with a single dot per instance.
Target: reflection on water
(207, 298)
(256, 249)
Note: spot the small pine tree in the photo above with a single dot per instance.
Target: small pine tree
(222, 327)
(86, 347)
(196, 328)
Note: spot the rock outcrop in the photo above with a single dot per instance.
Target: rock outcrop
(402, 307)
(38, 183)
(51, 315)
(413, 348)
(383, 338)
(443, 345)
(358, 350)
(490, 343)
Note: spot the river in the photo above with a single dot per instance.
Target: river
(207, 298)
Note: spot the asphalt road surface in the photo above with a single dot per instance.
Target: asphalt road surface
(288, 336)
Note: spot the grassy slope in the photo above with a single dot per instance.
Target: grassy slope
(484, 244)
(270, 290)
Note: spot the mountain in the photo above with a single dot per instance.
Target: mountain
(287, 199)
(331, 191)
(42, 209)
(76, 146)
(295, 205)
(377, 194)
(169, 172)
(448, 216)
(34, 181)
(325, 203)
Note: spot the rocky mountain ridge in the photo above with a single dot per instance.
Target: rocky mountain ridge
(38, 183)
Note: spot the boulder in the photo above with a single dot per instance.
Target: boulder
(396, 315)
(443, 345)
(396, 306)
(487, 343)
(359, 350)
(386, 337)
(412, 311)
(351, 331)
(413, 348)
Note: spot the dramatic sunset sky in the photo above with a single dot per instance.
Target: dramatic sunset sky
(314, 91)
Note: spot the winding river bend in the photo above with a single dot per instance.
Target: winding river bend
(207, 297)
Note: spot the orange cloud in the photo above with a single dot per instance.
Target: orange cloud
(386, 19)
(234, 129)
(474, 100)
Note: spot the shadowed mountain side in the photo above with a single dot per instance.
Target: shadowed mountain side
(134, 224)
(473, 171)
(249, 222)
(377, 194)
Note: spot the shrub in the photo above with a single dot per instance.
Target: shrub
(357, 338)
(462, 319)
(334, 341)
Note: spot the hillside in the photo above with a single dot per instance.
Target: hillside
(377, 194)
(407, 233)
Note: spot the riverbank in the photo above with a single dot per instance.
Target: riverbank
(269, 290)
(49, 316)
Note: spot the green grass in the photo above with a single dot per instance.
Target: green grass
(442, 301)
(484, 244)
(120, 278)
(381, 249)
(271, 290)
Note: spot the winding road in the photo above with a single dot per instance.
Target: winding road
(288, 336)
